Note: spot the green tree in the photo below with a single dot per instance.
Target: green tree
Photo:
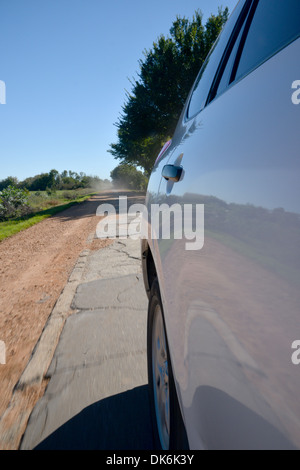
(9, 181)
(127, 176)
(40, 182)
(54, 179)
(152, 108)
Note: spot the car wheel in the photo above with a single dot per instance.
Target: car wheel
(168, 427)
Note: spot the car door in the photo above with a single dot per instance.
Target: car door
(232, 303)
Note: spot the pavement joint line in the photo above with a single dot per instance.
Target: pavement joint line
(98, 362)
(105, 309)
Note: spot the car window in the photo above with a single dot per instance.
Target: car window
(229, 66)
(224, 74)
(208, 71)
(275, 24)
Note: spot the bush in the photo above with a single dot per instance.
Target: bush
(69, 194)
(13, 203)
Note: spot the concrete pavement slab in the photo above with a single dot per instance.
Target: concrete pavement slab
(124, 291)
(121, 258)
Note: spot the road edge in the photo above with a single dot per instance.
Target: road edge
(31, 385)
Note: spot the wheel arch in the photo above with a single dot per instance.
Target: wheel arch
(148, 266)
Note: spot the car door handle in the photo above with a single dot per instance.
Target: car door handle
(172, 172)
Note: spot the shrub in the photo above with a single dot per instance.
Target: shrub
(13, 203)
(69, 195)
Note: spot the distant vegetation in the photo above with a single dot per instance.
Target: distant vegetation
(57, 181)
(24, 203)
(20, 208)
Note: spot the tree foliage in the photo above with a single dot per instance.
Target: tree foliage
(152, 108)
(128, 177)
(9, 181)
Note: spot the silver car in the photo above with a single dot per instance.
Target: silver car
(224, 283)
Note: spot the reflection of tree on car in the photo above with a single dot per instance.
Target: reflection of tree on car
(268, 236)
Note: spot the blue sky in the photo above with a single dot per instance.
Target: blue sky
(66, 64)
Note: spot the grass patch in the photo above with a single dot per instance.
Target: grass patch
(51, 207)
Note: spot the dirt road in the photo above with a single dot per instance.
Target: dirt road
(34, 267)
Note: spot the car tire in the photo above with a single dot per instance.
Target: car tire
(168, 427)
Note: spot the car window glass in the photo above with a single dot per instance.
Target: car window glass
(207, 73)
(275, 24)
(229, 66)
